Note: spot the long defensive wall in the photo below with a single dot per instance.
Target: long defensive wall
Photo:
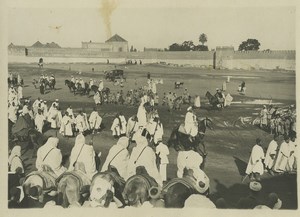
(221, 58)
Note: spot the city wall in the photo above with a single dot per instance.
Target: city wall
(218, 59)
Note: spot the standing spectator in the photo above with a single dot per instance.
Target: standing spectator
(39, 121)
(197, 102)
(283, 155)
(264, 117)
(271, 153)
(97, 98)
(20, 92)
(162, 151)
(95, 120)
(255, 167)
(66, 125)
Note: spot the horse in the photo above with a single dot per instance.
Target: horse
(94, 88)
(137, 188)
(44, 179)
(51, 84)
(182, 188)
(177, 103)
(71, 86)
(73, 187)
(181, 142)
(213, 100)
(115, 181)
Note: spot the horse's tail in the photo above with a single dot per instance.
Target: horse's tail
(62, 195)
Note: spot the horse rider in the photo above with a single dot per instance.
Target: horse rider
(82, 83)
(191, 124)
(220, 97)
(91, 83)
(101, 85)
(19, 79)
(72, 79)
(76, 83)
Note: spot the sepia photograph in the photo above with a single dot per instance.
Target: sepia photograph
(134, 104)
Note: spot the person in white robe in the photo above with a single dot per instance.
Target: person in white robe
(190, 123)
(25, 108)
(87, 125)
(142, 116)
(66, 125)
(143, 155)
(80, 122)
(291, 160)
(271, 154)
(118, 157)
(97, 98)
(283, 156)
(73, 79)
(101, 85)
(12, 112)
(116, 126)
(82, 152)
(82, 83)
(132, 126)
(20, 92)
(264, 117)
(70, 112)
(58, 117)
(52, 115)
(15, 161)
(95, 120)
(44, 108)
(155, 129)
(35, 106)
(162, 151)
(255, 166)
(197, 103)
(50, 155)
(123, 124)
(91, 83)
(192, 160)
(39, 121)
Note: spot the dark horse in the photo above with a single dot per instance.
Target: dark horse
(71, 86)
(182, 188)
(181, 141)
(213, 100)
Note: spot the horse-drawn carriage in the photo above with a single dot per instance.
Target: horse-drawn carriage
(114, 74)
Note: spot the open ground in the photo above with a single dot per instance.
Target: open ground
(228, 145)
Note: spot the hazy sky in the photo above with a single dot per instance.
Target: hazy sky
(155, 26)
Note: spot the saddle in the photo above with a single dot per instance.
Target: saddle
(186, 181)
(150, 182)
(181, 129)
(84, 181)
(48, 179)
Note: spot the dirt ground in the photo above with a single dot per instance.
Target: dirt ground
(228, 146)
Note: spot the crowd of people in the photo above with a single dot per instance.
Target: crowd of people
(145, 129)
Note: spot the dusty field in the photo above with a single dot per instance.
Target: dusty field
(228, 146)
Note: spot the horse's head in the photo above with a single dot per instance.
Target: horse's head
(101, 190)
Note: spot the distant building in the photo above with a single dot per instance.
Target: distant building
(115, 44)
(38, 44)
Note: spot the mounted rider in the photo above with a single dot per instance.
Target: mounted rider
(191, 124)
(219, 95)
(72, 79)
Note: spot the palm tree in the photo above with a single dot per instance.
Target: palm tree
(202, 38)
